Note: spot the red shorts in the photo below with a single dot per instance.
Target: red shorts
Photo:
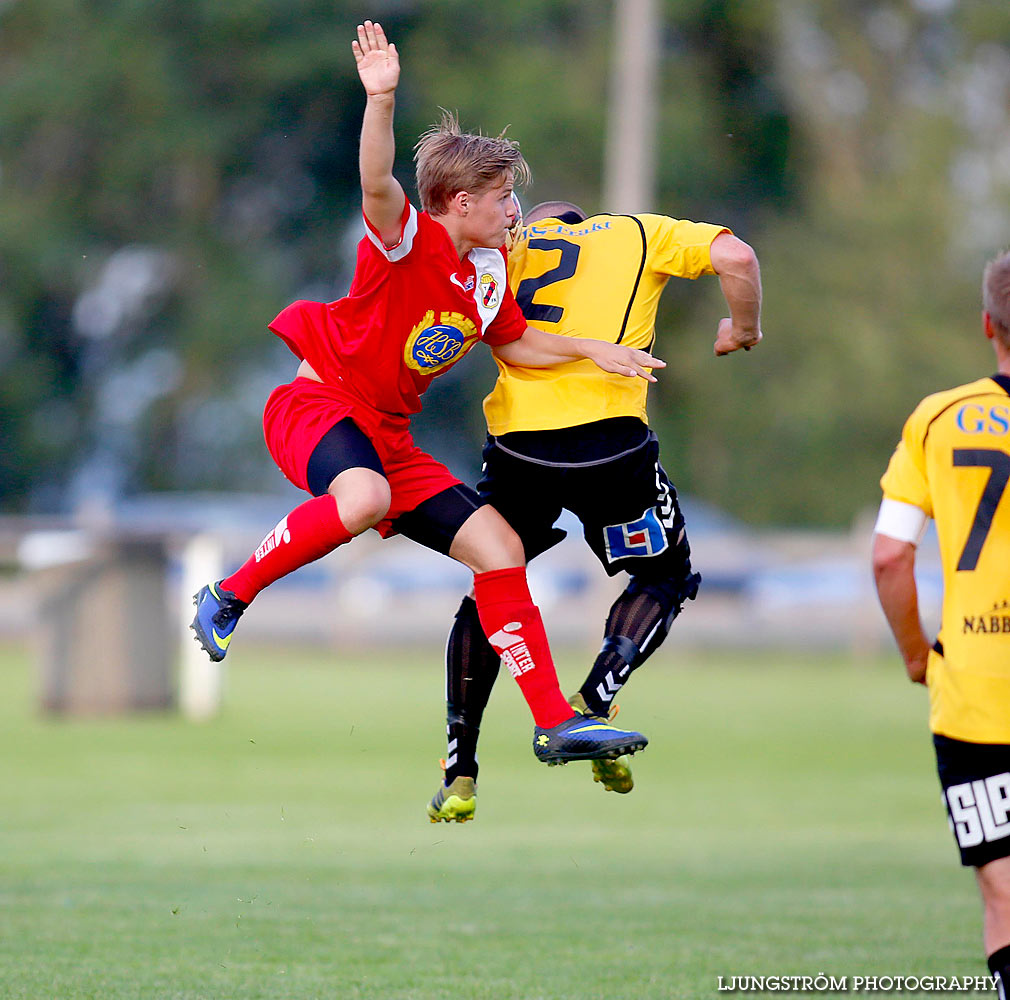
(297, 415)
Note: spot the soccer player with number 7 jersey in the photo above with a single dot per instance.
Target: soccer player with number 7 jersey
(953, 465)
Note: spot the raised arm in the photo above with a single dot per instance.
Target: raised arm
(379, 69)
(736, 264)
(539, 349)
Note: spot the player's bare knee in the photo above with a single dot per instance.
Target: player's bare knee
(365, 505)
(494, 550)
(365, 512)
(503, 550)
(485, 542)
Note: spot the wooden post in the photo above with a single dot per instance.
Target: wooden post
(630, 169)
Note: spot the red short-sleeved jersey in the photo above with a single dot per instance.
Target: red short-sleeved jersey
(412, 312)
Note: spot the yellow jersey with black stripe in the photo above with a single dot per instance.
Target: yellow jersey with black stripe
(601, 278)
(953, 462)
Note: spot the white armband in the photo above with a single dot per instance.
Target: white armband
(902, 521)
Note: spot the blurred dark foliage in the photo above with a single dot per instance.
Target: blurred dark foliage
(172, 175)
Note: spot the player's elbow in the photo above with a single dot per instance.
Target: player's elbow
(891, 557)
(513, 353)
(730, 255)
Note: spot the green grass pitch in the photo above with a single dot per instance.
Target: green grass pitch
(786, 820)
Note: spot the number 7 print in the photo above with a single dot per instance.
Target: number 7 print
(999, 464)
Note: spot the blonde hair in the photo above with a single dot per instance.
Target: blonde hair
(449, 160)
(996, 294)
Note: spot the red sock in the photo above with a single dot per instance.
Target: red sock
(306, 534)
(515, 629)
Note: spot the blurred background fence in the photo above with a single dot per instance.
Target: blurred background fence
(107, 606)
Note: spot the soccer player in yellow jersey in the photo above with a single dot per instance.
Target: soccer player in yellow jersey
(953, 464)
(571, 438)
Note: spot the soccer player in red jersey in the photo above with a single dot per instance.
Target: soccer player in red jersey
(427, 286)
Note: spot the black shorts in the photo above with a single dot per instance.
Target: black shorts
(434, 522)
(975, 778)
(608, 475)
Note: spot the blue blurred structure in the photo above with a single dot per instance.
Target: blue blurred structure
(759, 587)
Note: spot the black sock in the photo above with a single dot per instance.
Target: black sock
(471, 668)
(633, 619)
(607, 676)
(999, 966)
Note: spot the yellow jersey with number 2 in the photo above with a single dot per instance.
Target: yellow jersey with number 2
(953, 463)
(601, 278)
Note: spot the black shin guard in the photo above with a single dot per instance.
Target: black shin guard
(638, 622)
(471, 668)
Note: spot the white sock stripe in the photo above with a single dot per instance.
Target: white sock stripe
(445, 660)
(646, 640)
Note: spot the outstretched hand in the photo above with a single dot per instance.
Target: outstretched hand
(623, 360)
(377, 59)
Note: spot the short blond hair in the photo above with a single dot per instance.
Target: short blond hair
(449, 160)
(996, 294)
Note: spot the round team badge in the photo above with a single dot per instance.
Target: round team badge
(432, 347)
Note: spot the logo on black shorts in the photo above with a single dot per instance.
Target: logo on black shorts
(643, 537)
(980, 810)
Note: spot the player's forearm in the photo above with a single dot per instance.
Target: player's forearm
(739, 273)
(377, 148)
(741, 287)
(894, 575)
(900, 601)
(538, 349)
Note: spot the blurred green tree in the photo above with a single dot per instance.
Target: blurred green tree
(872, 278)
(171, 175)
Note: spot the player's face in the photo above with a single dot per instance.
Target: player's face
(491, 212)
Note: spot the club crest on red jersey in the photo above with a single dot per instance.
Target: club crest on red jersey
(432, 347)
(488, 290)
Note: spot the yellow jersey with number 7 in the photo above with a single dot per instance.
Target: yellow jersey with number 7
(953, 462)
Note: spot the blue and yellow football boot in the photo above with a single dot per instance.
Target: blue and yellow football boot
(614, 773)
(584, 737)
(454, 803)
(217, 613)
